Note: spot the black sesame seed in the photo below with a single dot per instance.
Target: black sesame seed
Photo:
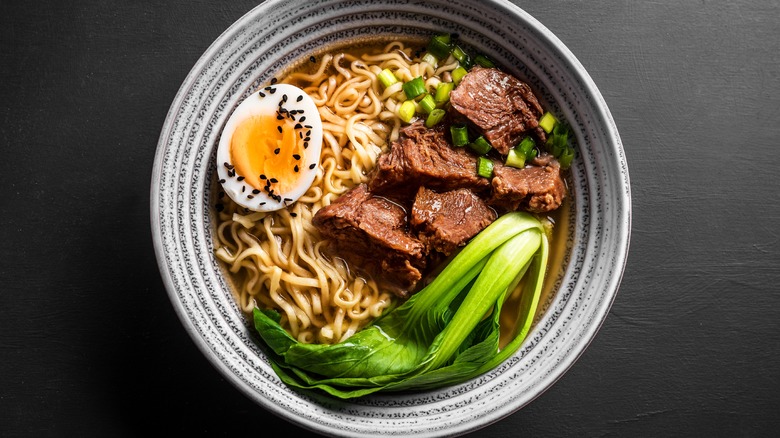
(307, 126)
(308, 133)
(306, 138)
(293, 214)
(267, 88)
(240, 178)
(284, 98)
(249, 197)
(302, 119)
(273, 180)
(243, 188)
(300, 134)
(228, 165)
(261, 94)
(300, 98)
(222, 181)
(262, 176)
(279, 128)
(312, 59)
(255, 191)
(232, 173)
(280, 117)
(295, 168)
(312, 165)
(305, 144)
(262, 203)
(273, 80)
(277, 150)
(296, 156)
(298, 126)
(272, 90)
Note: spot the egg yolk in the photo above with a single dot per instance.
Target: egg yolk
(264, 145)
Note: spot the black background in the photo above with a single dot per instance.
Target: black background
(90, 344)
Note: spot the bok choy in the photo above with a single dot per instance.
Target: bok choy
(445, 334)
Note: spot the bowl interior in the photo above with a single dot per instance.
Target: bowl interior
(266, 42)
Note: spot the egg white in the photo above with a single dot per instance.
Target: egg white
(267, 101)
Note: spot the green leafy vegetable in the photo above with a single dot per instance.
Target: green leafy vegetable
(445, 334)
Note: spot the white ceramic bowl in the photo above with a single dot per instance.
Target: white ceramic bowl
(260, 45)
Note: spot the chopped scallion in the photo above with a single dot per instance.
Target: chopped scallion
(484, 167)
(463, 58)
(526, 146)
(480, 145)
(387, 78)
(515, 158)
(566, 158)
(407, 110)
(484, 61)
(439, 46)
(427, 103)
(547, 122)
(430, 59)
(460, 135)
(434, 117)
(443, 92)
(458, 74)
(414, 88)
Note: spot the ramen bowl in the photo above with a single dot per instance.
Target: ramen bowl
(266, 42)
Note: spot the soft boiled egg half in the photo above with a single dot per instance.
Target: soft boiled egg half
(270, 147)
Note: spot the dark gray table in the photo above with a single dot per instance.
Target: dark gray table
(90, 344)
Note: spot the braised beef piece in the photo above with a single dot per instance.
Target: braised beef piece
(425, 157)
(502, 107)
(538, 188)
(445, 221)
(371, 233)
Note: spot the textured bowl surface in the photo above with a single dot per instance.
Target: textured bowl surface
(263, 43)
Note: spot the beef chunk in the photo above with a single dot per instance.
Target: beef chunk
(448, 220)
(424, 156)
(371, 233)
(502, 107)
(538, 188)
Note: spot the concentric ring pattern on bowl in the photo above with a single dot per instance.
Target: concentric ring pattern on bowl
(264, 43)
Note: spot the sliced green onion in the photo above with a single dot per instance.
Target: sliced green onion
(566, 157)
(458, 74)
(414, 88)
(480, 145)
(460, 135)
(407, 110)
(484, 167)
(561, 129)
(526, 146)
(439, 46)
(434, 117)
(463, 58)
(443, 92)
(427, 103)
(387, 78)
(484, 61)
(515, 158)
(430, 59)
(547, 122)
